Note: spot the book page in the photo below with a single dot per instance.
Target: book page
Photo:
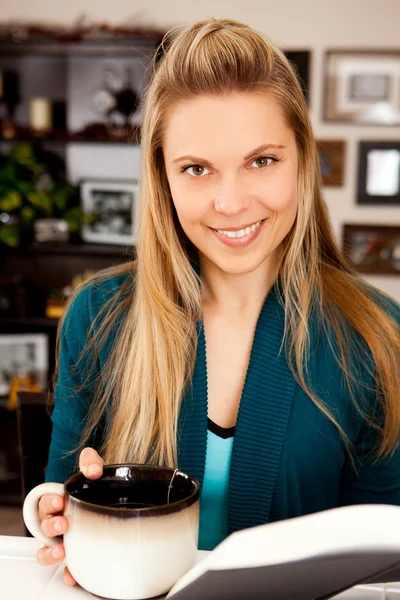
(361, 539)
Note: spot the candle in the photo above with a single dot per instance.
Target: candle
(40, 115)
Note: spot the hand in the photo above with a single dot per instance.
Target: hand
(52, 521)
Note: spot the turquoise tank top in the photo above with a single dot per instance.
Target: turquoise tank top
(214, 492)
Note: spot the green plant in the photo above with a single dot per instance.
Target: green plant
(32, 186)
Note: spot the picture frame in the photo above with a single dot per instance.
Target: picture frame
(21, 354)
(378, 172)
(301, 61)
(362, 87)
(332, 155)
(112, 203)
(372, 249)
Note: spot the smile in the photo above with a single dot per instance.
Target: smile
(240, 238)
(241, 232)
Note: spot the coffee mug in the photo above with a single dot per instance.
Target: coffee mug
(131, 534)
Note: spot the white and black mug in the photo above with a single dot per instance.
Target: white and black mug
(131, 534)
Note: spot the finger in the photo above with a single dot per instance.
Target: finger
(50, 556)
(68, 579)
(54, 526)
(50, 504)
(90, 463)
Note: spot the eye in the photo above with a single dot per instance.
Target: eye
(263, 161)
(197, 170)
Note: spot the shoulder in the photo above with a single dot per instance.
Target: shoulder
(341, 351)
(385, 303)
(92, 302)
(321, 327)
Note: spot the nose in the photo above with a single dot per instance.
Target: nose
(231, 198)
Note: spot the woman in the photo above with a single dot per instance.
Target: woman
(301, 368)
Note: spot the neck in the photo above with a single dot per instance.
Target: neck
(237, 294)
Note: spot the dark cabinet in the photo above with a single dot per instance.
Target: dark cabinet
(80, 100)
(42, 267)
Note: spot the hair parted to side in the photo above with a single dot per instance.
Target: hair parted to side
(154, 355)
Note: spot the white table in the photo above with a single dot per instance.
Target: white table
(22, 578)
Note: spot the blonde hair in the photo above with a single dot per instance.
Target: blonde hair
(153, 358)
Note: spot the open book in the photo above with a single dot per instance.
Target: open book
(307, 558)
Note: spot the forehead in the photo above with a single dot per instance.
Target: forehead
(228, 121)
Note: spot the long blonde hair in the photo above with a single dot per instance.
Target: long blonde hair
(153, 357)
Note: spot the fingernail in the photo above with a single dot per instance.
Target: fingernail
(57, 525)
(56, 503)
(56, 553)
(94, 469)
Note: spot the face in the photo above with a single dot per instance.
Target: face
(231, 163)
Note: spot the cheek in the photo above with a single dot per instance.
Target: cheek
(281, 196)
(190, 206)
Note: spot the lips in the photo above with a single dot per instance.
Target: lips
(236, 228)
(239, 242)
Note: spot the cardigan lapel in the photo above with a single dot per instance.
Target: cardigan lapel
(192, 423)
(261, 423)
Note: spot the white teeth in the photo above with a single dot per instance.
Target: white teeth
(241, 232)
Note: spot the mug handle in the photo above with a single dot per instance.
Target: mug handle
(30, 511)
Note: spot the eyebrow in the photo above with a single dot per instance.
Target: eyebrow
(254, 152)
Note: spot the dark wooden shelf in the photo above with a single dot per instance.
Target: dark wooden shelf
(130, 46)
(43, 267)
(27, 139)
(26, 321)
(10, 499)
(74, 249)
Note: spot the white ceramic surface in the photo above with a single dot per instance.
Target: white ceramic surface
(121, 558)
(22, 578)
(149, 555)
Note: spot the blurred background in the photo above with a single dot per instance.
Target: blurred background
(71, 79)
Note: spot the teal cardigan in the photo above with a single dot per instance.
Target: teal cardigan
(288, 459)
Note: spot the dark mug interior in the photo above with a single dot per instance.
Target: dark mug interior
(134, 487)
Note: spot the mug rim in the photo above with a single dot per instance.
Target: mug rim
(171, 507)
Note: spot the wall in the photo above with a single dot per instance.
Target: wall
(310, 24)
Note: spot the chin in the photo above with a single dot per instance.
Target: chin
(239, 265)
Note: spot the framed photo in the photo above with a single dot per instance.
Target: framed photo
(23, 355)
(301, 60)
(332, 154)
(112, 204)
(373, 249)
(362, 87)
(378, 173)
